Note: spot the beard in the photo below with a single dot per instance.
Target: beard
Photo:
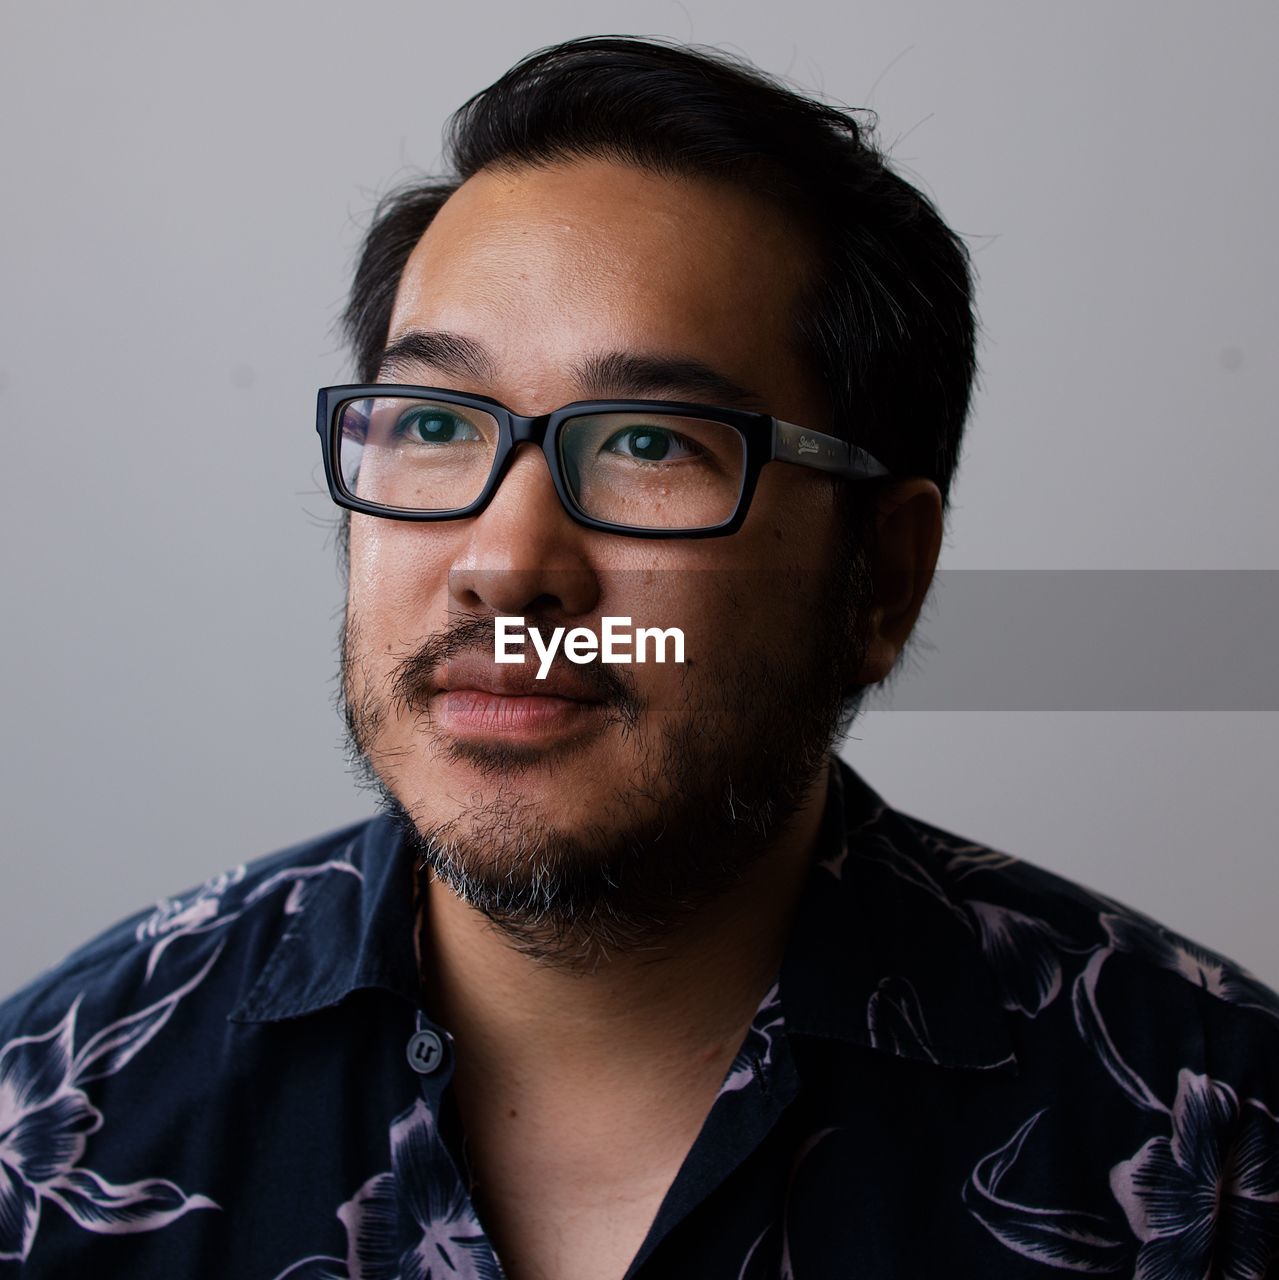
(714, 785)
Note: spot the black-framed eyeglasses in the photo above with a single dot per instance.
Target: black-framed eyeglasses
(648, 468)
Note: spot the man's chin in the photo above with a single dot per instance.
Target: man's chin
(602, 848)
(567, 781)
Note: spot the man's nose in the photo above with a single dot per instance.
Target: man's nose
(525, 554)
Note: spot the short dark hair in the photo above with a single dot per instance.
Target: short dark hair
(886, 324)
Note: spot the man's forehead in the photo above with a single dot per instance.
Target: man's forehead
(569, 194)
(596, 279)
(594, 226)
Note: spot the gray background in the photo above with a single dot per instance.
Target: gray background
(183, 194)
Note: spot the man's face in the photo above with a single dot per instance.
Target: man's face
(612, 816)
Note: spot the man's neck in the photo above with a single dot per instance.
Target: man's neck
(680, 1009)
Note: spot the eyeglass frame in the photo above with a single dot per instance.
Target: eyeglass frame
(765, 438)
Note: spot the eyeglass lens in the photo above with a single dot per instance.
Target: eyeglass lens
(652, 470)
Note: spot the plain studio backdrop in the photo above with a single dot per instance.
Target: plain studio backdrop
(184, 193)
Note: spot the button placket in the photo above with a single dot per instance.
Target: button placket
(431, 1160)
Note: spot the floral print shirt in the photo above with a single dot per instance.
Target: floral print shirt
(967, 1066)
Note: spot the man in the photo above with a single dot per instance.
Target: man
(632, 976)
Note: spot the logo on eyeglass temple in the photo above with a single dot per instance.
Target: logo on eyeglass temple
(807, 445)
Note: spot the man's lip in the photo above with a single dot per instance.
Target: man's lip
(515, 681)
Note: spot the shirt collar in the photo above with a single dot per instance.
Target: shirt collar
(352, 933)
(880, 955)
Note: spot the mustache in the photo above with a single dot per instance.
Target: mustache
(416, 679)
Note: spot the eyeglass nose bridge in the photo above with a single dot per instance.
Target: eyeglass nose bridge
(534, 430)
(526, 430)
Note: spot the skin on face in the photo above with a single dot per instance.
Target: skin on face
(543, 267)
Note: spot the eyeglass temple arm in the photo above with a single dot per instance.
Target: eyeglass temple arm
(822, 452)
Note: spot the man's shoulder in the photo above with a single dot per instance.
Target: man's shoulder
(130, 958)
(1138, 1119)
(1047, 936)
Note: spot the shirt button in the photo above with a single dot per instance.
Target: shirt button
(425, 1052)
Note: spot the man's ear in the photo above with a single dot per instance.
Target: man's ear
(909, 521)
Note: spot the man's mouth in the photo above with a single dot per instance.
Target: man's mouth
(476, 698)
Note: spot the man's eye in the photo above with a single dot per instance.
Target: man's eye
(434, 426)
(650, 444)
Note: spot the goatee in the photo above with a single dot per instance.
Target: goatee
(714, 787)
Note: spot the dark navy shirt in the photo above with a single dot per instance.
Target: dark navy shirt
(968, 1066)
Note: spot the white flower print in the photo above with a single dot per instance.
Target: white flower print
(879, 848)
(1211, 1190)
(956, 863)
(191, 910)
(45, 1117)
(963, 860)
(1092, 1027)
(1025, 953)
(195, 912)
(1139, 935)
(1203, 1197)
(1207, 1193)
(756, 1053)
(450, 1243)
(1062, 1238)
(959, 858)
(202, 910)
(895, 1019)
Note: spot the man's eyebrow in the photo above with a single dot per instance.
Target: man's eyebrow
(459, 356)
(616, 375)
(623, 374)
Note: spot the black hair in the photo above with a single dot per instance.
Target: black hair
(886, 323)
